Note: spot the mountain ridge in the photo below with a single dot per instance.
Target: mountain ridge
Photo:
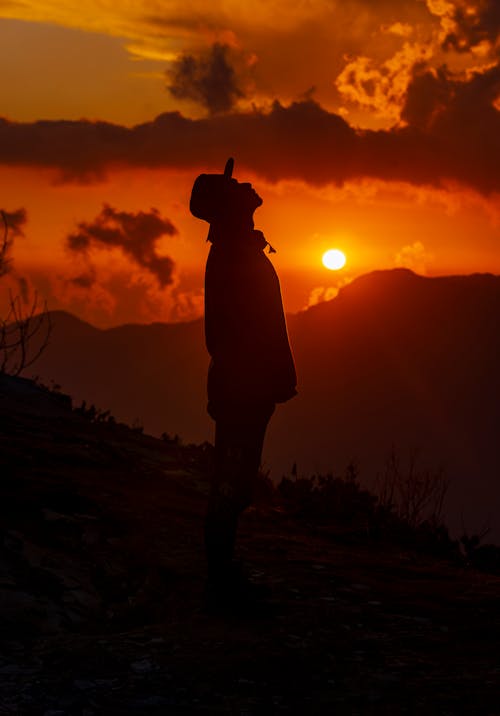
(396, 360)
(398, 274)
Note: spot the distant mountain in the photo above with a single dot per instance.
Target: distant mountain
(396, 360)
(148, 374)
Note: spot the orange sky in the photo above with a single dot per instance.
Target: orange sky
(371, 127)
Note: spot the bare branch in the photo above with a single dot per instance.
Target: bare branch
(19, 329)
(5, 245)
(417, 495)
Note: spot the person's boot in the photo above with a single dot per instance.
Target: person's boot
(232, 592)
(228, 589)
(220, 537)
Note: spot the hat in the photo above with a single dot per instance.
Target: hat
(209, 193)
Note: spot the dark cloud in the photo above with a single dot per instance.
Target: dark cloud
(135, 234)
(452, 136)
(84, 280)
(209, 79)
(460, 121)
(427, 96)
(474, 22)
(437, 101)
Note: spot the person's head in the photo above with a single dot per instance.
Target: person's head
(241, 200)
(220, 199)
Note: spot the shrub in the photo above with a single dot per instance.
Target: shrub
(414, 522)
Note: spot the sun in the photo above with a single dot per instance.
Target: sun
(334, 259)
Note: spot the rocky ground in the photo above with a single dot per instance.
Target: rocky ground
(101, 589)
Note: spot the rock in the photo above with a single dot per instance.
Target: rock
(144, 666)
(84, 684)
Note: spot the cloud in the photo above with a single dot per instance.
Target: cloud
(381, 87)
(401, 29)
(452, 136)
(87, 279)
(186, 304)
(427, 97)
(208, 79)
(122, 294)
(136, 235)
(467, 24)
(99, 306)
(155, 26)
(297, 45)
(320, 294)
(414, 257)
(461, 122)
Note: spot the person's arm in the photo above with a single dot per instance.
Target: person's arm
(265, 337)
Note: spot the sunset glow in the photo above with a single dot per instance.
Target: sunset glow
(383, 128)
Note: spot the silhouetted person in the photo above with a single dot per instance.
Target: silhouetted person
(251, 366)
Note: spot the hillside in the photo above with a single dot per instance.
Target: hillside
(101, 590)
(153, 374)
(396, 360)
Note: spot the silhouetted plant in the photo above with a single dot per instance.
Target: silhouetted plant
(332, 502)
(326, 497)
(264, 492)
(484, 557)
(19, 326)
(96, 415)
(4, 248)
(137, 426)
(167, 438)
(195, 457)
(416, 495)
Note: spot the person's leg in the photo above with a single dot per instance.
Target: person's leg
(222, 515)
(238, 449)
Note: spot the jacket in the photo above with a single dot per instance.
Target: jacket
(245, 329)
